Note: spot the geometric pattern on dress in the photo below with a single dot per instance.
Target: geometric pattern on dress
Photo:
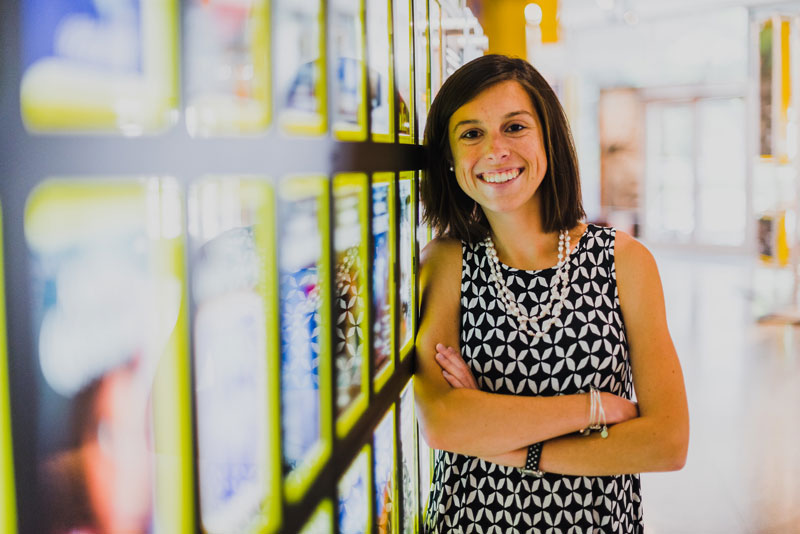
(586, 346)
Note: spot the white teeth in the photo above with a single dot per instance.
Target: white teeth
(500, 177)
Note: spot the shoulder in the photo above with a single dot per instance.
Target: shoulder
(442, 253)
(635, 265)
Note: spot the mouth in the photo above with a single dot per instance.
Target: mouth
(500, 177)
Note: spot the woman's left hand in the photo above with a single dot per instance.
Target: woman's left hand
(454, 369)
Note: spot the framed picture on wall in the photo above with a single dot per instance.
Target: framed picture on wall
(99, 66)
(303, 256)
(407, 246)
(403, 57)
(380, 76)
(422, 66)
(112, 358)
(300, 66)
(351, 321)
(232, 237)
(436, 47)
(384, 469)
(355, 498)
(349, 113)
(383, 287)
(227, 53)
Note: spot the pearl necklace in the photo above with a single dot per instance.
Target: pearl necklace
(552, 307)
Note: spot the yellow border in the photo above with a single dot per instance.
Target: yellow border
(8, 500)
(405, 350)
(359, 133)
(408, 139)
(246, 119)
(318, 124)
(382, 376)
(323, 515)
(390, 418)
(388, 137)
(421, 114)
(352, 413)
(45, 111)
(440, 63)
(408, 389)
(300, 479)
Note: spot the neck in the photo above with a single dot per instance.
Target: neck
(520, 240)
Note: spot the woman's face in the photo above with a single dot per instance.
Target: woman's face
(498, 153)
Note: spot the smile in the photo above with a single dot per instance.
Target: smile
(500, 177)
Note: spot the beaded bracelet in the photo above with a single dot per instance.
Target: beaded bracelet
(532, 461)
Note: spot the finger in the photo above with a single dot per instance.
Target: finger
(455, 367)
(452, 380)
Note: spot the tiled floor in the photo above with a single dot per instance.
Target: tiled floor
(743, 384)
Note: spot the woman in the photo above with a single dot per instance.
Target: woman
(534, 326)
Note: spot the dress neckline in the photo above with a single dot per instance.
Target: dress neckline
(581, 243)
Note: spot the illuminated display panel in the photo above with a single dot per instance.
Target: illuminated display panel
(354, 497)
(407, 226)
(227, 67)
(384, 473)
(114, 439)
(436, 46)
(383, 304)
(300, 77)
(403, 67)
(351, 310)
(304, 329)
(422, 66)
(236, 400)
(99, 66)
(408, 462)
(379, 70)
(349, 114)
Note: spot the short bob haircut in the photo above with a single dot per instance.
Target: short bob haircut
(448, 210)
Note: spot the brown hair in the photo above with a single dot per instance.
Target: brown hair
(448, 210)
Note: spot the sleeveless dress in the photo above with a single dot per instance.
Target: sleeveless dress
(586, 347)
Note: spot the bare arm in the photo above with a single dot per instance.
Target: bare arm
(658, 439)
(469, 421)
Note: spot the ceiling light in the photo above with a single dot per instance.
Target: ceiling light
(533, 14)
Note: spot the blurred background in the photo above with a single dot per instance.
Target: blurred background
(210, 243)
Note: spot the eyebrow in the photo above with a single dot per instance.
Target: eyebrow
(506, 116)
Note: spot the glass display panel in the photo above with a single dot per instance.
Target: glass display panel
(408, 461)
(114, 443)
(379, 70)
(349, 87)
(305, 352)
(385, 498)
(422, 66)
(236, 408)
(353, 514)
(425, 474)
(322, 520)
(402, 57)
(227, 67)
(350, 193)
(99, 66)
(382, 276)
(407, 223)
(300, 65)
(423, 235)
(8, 504)
(436, 47)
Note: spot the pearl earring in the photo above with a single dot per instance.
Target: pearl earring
(451, 168)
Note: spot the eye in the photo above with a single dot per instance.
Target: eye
(516, 127)
(470, 134)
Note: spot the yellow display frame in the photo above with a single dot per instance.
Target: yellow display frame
(379, 137)
(172, 425)
(322, 518)
(95, 107)
(297, 482)
(421, 112)
(407, 349)
(408, 139)
(242, 123)
(434, 89)
(408, 389)
(364, 457)
(359, 133)
(389, 178)
(8, 499)
(391, 417)
(317, 125)
(352, 413)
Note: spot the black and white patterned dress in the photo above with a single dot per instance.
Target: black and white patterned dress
(586, 347)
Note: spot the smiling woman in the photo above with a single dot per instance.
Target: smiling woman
(527, 343)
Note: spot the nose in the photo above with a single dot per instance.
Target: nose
(497, 148)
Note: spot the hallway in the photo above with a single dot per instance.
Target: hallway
(743, 382)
